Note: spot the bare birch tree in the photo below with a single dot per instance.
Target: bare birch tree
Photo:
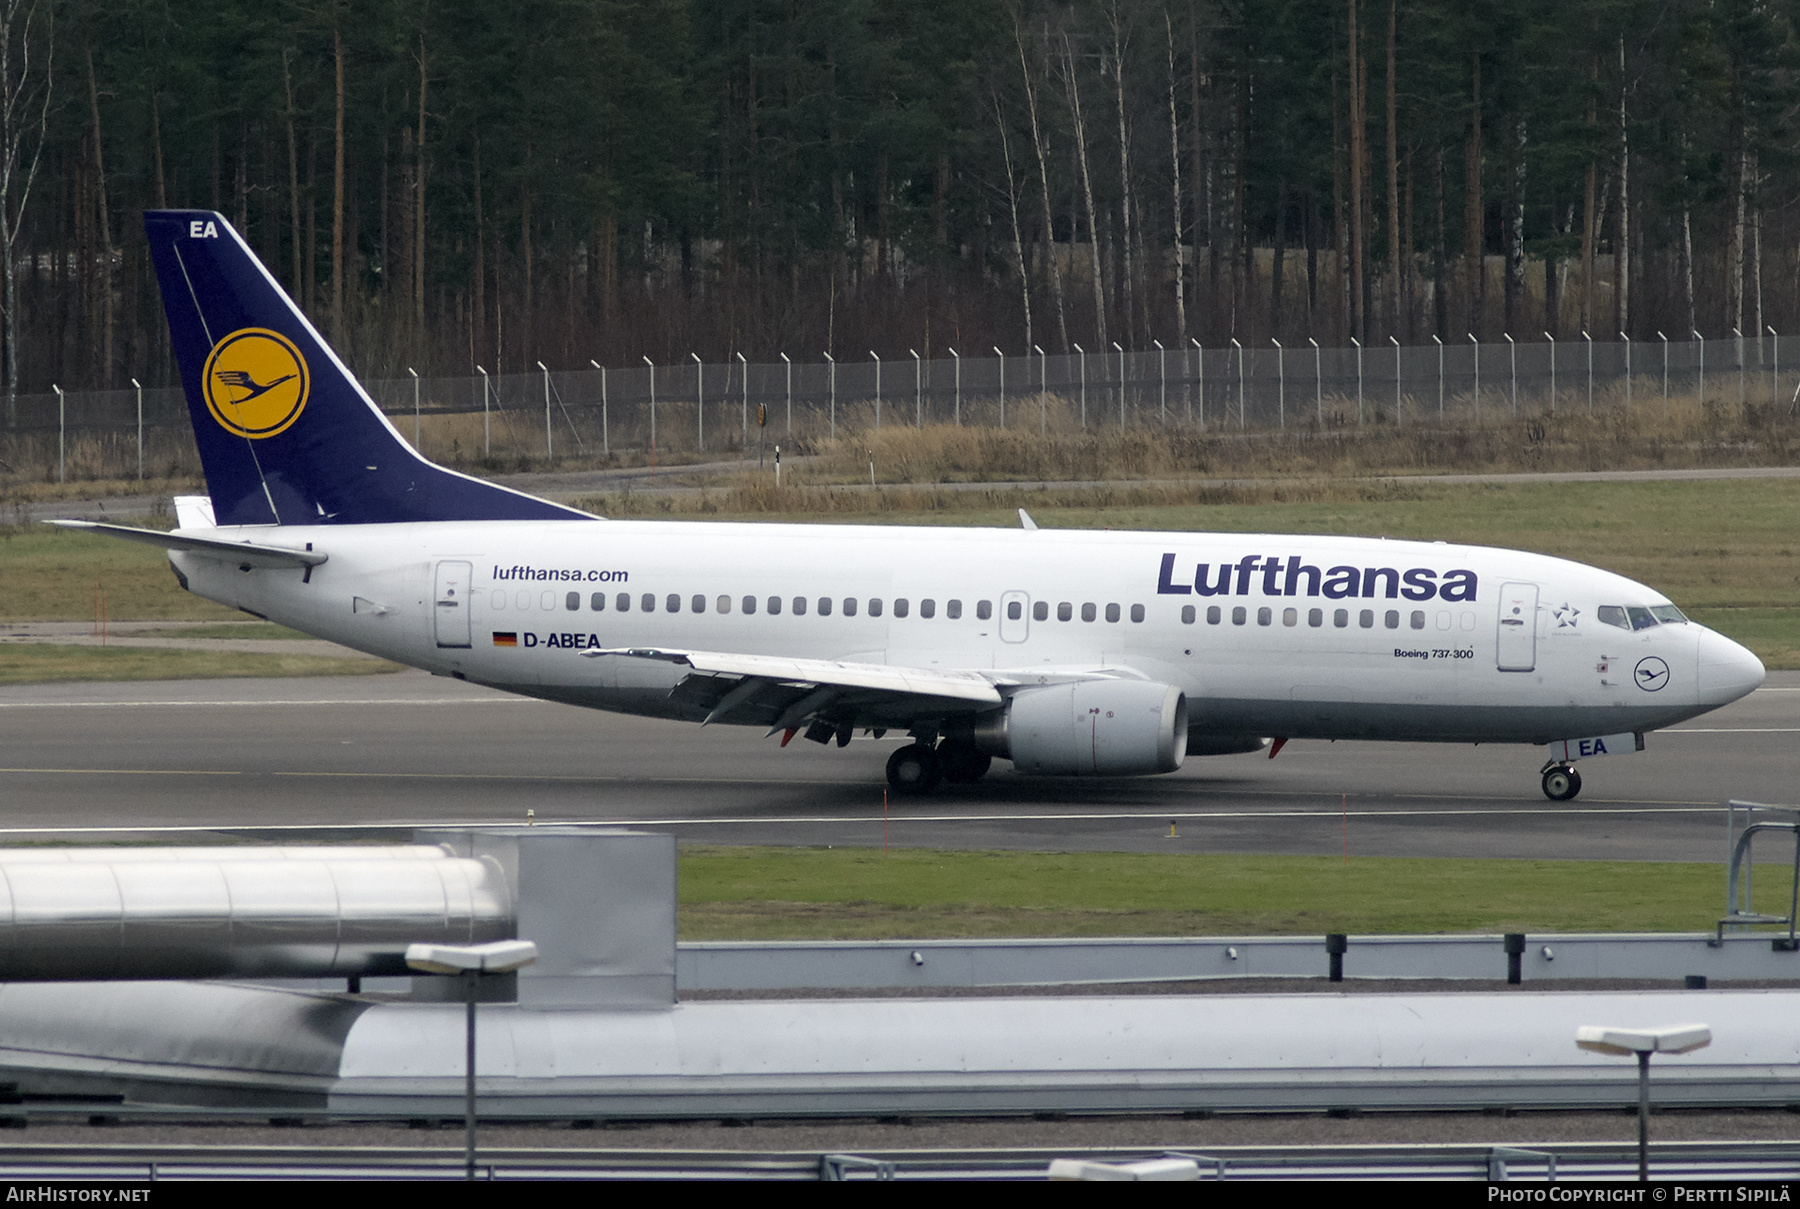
(27, 40)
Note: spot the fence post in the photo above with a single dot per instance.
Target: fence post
(1775, 353)
(605, 428)
(1359, 379)
(1701, 340)
(1280, 381)
(61, 426)
(699, 401)
(1121, 351)
(547, 448)
(831, 378)
(744, 405)
(652, 366)
(1396, 345)
(1083, 353)
(1162, 364)
(1552, 340)
(1199, 379)
(1318, 381)
(1512, 349)
(409, 369)
(957, 358)
(141, 418)
(487, 444)
(918, 389)
(877, 357)
(1440, 348)
(790, 393)
(1477, 344)
(1002, 357)
(1043, 391)
(1240, 359)
(1740, 361)
(1590, 369)
(1627, 340)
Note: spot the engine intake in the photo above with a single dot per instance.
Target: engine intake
(1090, 728)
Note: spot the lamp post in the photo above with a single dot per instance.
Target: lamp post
(744, 407)
(1590, 369)
(1740, 360)
(605, 428)
(470, 962)
(1701, 341)
(1359, 379)
(1665, 344)
(877, 358)
(1162, 363)
(1670, 1039)
(487, 445)
(61, 429)
(409, 369)
(140, 411)
(1396, 345)
(831, 361)
(1627, 340)
(1477, 344)
(1440, 348)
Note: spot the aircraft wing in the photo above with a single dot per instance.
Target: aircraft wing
(249, 554)
(826, 673)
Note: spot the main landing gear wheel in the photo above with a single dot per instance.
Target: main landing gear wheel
(1561, 782)
(914, 769)
(963, 763)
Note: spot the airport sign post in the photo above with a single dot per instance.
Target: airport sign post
(1670, 1039)
(470, 962)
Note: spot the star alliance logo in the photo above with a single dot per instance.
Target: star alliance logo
(1566, 616)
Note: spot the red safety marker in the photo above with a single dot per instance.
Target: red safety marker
(1275, 748)
(791, 732)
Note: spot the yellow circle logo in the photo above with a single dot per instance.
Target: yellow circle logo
(255, 383)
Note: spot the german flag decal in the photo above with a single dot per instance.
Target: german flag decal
(506, 638)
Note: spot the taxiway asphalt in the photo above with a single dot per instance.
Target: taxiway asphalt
(360, 755)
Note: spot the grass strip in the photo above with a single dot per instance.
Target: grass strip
(45, 663)
(256, 631)
(746, 893)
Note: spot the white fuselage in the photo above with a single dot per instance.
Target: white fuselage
(1323, 637)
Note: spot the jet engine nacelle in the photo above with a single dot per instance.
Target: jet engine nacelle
(1090, 728)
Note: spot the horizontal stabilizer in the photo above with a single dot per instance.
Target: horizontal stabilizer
(928, 682)
(242, 553)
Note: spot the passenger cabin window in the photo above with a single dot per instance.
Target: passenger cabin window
(699, 604)
(875, 607)
(1040, 610)
(1187, 614)
(673, 603)
(953, 610)
(1212, 615)
(1065, 611)
(927, 609)
(522, 600)
(1315, 618)
(1014, 610)
(1112, 612)
(1392, 620)
(572, 602)
(1340, 618)
(547, 601)
(1087, 612)
(725, 603)
(1290, 617)
(750, 604)
(498, 601)
(1418, 619)
(849, 606)
(1137, 612)
(799, 606)
(1366, 619)
(597, 602)
(1265, 615)
(902, 607)
(774, 605)
(984, 609)
(824, 606)
(622, 602)
(647, 602)
(1239, 615)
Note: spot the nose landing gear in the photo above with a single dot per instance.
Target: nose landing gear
(1561, 781)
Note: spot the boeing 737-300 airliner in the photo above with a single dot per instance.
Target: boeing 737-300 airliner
(1067, 653)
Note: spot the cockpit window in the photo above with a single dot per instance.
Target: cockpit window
(1668, 614)
(1640, 617)
(1613, 615)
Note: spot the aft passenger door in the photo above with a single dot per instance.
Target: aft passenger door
(1015, 617)
(1518, 628)
(450, 611)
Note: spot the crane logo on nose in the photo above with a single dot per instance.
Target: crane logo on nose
(1651, 674)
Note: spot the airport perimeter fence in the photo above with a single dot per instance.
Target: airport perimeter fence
(736, 408)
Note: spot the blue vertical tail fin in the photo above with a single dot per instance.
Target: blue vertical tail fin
(287, 436)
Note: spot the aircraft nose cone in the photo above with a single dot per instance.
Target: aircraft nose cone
(1725, 671)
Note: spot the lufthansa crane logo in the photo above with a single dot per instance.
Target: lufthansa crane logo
(1651, 674)
(255, 383)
